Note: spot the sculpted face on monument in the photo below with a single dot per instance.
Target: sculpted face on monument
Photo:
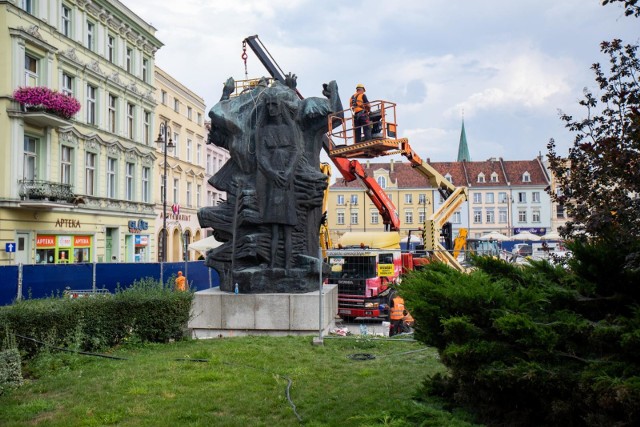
(270, 221)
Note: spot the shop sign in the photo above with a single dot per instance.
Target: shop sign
(142, 240)
(45, 241)
(64, 241)
(138, 226)
(81, 240)
(534, 230)
(68, 223)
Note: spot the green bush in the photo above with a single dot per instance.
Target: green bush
(536, 344)
(145, 312)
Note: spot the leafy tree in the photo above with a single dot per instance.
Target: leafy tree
(631, 7)
(600, 178)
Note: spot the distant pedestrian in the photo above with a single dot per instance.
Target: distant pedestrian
(181, 282)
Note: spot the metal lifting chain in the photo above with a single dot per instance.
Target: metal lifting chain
(244, 58)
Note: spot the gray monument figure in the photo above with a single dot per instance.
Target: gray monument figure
(271, 218)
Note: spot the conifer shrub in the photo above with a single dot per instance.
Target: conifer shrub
(145, 312)
(536, 344)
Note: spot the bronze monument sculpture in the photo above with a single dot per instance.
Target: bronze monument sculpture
(271, 218)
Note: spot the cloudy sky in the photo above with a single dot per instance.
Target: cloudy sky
(509, 65)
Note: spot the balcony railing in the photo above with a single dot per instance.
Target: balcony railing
(31, 189)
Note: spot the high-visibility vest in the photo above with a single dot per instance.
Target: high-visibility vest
(358, 102)
(397, 311)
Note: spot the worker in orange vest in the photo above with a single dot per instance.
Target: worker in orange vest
(181, 282)
(360, 108)
(397, 315)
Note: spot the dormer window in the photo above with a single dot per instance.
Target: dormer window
(494, 177)
(449, 178)
(526, 177)
(382, 182)
(481, 177)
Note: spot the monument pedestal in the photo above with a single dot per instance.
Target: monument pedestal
(217, 314)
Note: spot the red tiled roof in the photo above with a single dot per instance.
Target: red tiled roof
(516, 168)
(487, 167)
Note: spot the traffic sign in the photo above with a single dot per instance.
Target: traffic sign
(10, 247)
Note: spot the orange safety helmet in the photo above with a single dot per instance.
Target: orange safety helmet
(360, 86)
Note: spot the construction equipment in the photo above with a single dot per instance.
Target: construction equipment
(325, 236)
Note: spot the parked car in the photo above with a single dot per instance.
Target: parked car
(522, 249)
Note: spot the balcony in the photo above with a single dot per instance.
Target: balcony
(36, 192)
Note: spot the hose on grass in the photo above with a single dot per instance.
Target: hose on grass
(287, 390)
(68, 350)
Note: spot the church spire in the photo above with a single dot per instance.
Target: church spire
(463, 148)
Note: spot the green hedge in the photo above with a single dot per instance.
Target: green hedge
(145, 312)
(539, 344)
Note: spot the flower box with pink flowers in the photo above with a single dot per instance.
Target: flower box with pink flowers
(42, 98)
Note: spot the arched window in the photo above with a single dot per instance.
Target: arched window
(494, 177)
(382, 182)
(449, 178)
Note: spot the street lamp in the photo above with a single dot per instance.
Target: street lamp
(164, 138)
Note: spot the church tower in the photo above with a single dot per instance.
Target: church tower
(463, 148)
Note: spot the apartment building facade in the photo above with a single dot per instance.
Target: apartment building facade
(77, 189)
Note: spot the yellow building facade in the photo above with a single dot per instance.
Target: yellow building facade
(182, 112)
(77, 189)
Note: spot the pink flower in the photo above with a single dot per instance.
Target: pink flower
(49, 100)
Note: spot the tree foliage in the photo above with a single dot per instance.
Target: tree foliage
(631, 7)
(600, 178)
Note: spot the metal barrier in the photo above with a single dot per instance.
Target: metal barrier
(41, 281)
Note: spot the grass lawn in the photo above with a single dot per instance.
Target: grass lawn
(242, 383)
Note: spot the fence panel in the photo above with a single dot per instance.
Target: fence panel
(42, 280)
(111, 275)
(8, 284)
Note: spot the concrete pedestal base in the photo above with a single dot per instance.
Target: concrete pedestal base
(216, 314)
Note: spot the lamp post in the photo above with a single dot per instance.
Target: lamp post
(164, 138)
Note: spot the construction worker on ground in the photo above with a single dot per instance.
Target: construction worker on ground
(360, 109)
(181, 282)
(399, 317)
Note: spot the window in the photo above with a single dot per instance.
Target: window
(111, 113)
(162, 195)
(477, 197)
(535, 197)
(209, 164)
(176, 142)
(189, 194)
(522, 197)
(422, 199)
(146, 128)
(502, 216)
(491, 216)
(67, 84)
(189, 147)
(66, 154)
(199, 118)
(494, 177)
(354, 199)
(128, 59)
(27, 5)
(341, 199)
(526, 177)
(481, 177)
(408, 217)
(145, 70)
(340, 219)
(559, 211)
(382, 182)
(449, 177)
(535, 216)
(489, 198)
(354, 217)
(457, 218)
(131, 109)
(198, 192)
(65, 20)
(374, 217)
(408, 199)
(111, 48)
(477, 216)
(112, 166)
(30, 171)
(176, 186)
(189, 113)
(31, 70)
(199, 155)
(91, 104)
(90, 174)
(176, 105)
(522, 216)
(146, 173)
(90, 35)
(502, 197)
(421, 216)
(163, 97)
(129, 176)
